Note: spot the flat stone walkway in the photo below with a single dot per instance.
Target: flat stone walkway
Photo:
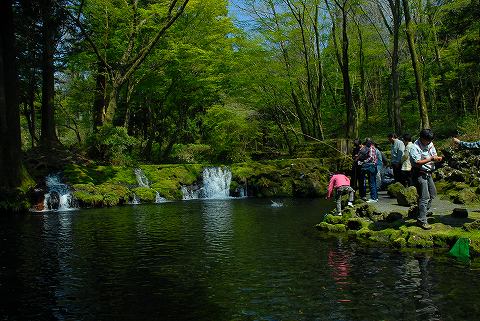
(440, 207)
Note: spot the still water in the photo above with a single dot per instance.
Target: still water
(238, 259)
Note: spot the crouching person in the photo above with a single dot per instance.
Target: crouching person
(340, 185)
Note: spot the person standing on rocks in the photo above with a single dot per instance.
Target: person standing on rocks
(340, 185)
(423, 157)
(398, 148)
(367, 158)
(468, 145)
(406, 165)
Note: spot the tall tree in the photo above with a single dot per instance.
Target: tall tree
(133, 44)
(420, 87)
(343, 7)
(50, 20)
(10, 144)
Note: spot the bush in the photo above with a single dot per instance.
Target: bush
(112, 144)
(191, 153)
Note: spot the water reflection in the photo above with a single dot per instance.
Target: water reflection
(217, 260)
(217, 217)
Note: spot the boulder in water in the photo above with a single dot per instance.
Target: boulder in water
(53, 201)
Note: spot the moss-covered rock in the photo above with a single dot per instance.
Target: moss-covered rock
(89, 195)
(407, 196)
(356, 223)
(394, 188)
(145, 194)
(399, 242)
(465, 196)
(394, 216)
(333, 228)
(472, 227)
(291, 177)
(419, 240)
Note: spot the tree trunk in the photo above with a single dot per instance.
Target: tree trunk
(10, 144)
(396, 104)
(48, 135)
(352, 128)
(100, 103)
(343, 62)
(422, 103)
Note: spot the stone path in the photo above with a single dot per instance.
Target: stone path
(440, 207)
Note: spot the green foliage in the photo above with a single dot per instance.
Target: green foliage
(231, 132)
(106, 194)
(191, 153)
(112, 144)
(145, 194)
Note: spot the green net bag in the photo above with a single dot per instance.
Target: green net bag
(461, 248)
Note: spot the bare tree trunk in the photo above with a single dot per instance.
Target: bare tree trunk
(10, 144)
(422, 103)
(48, 135)
(343, 62)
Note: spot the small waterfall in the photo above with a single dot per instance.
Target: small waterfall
(142, 180)
(159, 199)
(59, 196)
(135, 200)
(215, 185)
(216, 182)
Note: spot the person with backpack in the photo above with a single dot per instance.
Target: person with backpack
(368, 160)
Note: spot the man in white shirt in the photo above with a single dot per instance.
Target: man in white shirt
(423, 157)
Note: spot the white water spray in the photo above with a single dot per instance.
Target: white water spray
(59, 196)
(142, 180)
(216, 185)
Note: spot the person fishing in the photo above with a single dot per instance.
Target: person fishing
(423, 157)
(467, 145)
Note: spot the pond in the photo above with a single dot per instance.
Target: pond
(233, 259)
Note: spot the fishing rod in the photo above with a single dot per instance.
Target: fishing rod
(321, 141)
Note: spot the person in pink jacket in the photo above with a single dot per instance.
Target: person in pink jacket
(340, 185)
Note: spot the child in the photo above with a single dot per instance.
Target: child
(341, 184)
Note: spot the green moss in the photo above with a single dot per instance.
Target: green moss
(334, 219)
(87, 199)
(333, 228)
(145, 194)
(465, 196)
(399, 242)
(472, 227)
(394, 189)
(356, 223)
(419, 240)
(364, 233)
(386, 236)
(89, 195)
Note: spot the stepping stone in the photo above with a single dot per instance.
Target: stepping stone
(460, 212)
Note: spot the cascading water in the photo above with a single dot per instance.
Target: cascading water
(142, 180)
(216, 185)
(159, 199)
(59, 196)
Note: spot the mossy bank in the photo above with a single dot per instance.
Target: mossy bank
(397, 229)
(98, 186)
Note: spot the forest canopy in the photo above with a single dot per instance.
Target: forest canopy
(220, 81)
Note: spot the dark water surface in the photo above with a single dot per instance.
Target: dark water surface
(218, 260)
